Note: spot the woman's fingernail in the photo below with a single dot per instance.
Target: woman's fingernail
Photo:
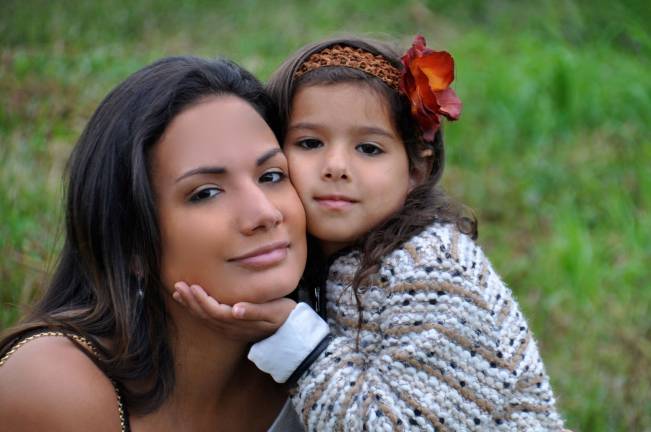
(238, 311)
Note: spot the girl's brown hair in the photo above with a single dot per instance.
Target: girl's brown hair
(425, 204)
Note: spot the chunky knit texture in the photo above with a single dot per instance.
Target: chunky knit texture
(443, 347)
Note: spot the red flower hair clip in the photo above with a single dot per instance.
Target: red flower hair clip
(425, 80)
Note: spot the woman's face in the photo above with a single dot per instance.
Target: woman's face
(230, 220)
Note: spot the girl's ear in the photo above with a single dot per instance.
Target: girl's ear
(421, 169)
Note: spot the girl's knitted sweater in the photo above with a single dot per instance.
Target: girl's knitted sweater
(443, 346)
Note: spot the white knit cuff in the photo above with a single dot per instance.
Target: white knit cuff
(281, 353)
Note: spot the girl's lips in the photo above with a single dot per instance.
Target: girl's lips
(261, 258)
(335, 202)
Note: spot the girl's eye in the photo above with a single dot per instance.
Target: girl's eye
(309, 143)
(205, 193)
(369, 149)
(273, 177)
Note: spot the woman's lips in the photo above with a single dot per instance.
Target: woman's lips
(263, 257)
(335, 202)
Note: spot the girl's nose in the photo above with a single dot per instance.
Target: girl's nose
(258, 212)
(335, 166)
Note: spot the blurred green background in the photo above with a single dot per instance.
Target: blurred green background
(553, 150)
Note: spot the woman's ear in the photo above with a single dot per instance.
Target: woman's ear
(137, 267)
(421, 170)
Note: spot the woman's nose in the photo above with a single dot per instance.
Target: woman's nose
(258, 212)
(335, 166)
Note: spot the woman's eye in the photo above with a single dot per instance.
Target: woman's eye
(309, 143)
(206, 193)
(272, 177)
(369, 149)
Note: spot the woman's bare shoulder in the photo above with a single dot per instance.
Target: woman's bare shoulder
(50, 384)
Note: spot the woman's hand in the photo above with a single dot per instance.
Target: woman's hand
(248, 322)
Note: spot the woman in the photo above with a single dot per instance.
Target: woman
(177, 176)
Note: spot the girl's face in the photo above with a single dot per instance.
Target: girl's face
(230, 220)
(347, 161)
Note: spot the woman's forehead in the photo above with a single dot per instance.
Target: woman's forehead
(219, 131)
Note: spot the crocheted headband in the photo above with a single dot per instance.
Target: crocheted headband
(355, 58)
(424, 80)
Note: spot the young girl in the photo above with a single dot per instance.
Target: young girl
(423, 334)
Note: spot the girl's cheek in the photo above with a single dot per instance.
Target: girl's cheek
(297, 177)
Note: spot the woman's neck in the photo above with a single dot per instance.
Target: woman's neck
(210, 370)
(204, 359)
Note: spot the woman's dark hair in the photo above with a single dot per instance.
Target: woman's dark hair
(424, 204)
(107, 284)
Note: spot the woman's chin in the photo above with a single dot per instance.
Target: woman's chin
(266, 297)
(264, 294)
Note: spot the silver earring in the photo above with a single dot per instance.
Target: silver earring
(140, 293)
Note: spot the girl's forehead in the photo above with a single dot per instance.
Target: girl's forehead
(341, 100)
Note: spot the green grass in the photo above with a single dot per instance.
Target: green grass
(553, 150)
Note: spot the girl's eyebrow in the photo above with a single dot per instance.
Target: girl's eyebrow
(303, 125)
(373, 130)
(362, 130)
(222, 170)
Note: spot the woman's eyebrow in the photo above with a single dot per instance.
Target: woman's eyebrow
(202, 170)
(267, 155)
(221, 170)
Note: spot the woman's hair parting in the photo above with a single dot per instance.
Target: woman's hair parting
(376, 65)
(107, 280)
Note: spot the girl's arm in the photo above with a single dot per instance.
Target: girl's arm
(442, 346)
(528, 401)
(295, 334)
(243, 321)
